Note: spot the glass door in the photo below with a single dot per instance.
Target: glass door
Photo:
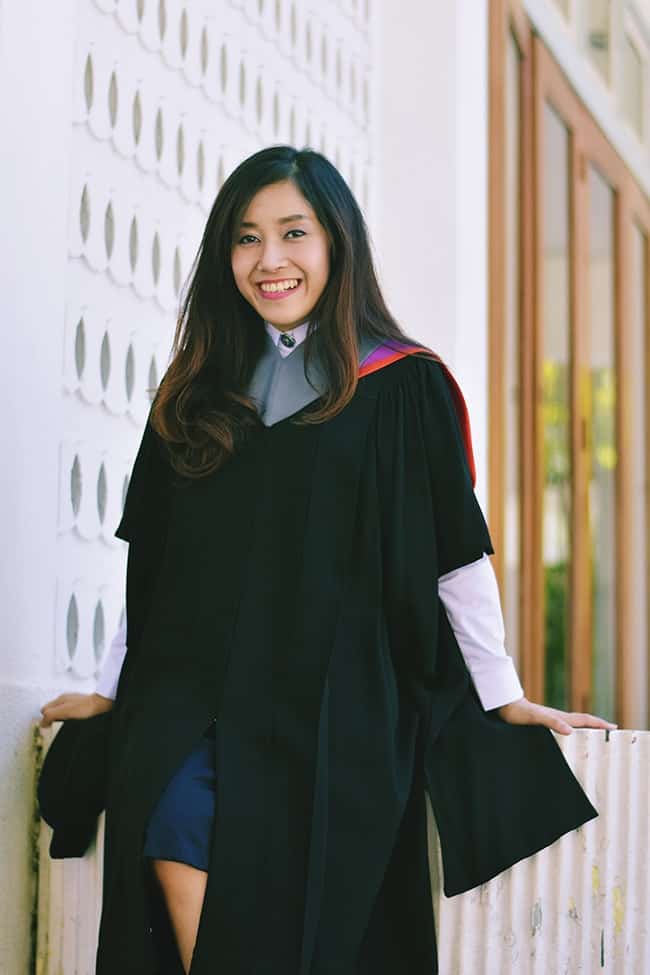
(555, 408)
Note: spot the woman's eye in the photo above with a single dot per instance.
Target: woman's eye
(243, 240)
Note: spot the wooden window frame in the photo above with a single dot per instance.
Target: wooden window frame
(507, 18)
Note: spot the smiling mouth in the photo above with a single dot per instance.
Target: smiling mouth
(273, 290)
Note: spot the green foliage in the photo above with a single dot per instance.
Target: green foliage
(555, 422)
(556, 591)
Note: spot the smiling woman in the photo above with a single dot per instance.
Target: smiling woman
(278, 220)
(282, 268)
(292, 686)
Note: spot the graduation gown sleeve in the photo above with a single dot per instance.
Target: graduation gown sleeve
(499, 792)
(431, 521)
(146, 488)
(143, 525)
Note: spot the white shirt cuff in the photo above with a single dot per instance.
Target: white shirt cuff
(108, 679)
(470, 596)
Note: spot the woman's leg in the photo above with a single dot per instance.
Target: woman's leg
(183, 889)
(177, 844)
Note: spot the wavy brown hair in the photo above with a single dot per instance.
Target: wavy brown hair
(201, 409)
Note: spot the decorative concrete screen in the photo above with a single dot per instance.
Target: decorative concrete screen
(578, 908)
(167, 98)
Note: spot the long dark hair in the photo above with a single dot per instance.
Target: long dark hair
(201, 408)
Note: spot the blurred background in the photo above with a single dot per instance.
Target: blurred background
(501, 154)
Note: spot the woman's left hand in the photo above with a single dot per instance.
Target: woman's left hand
(524, 711)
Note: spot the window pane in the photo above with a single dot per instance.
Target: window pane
(556, 408)
(632, 86)
(603, 446)
(639, 460)
(511, 350)
(597, 20)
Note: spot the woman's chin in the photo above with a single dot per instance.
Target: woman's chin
(285, 321)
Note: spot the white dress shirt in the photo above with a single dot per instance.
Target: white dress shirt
(298, 334)
(469, 594)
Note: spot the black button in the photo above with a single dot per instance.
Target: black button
(287, 340)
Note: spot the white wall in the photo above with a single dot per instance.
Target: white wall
(35, 77)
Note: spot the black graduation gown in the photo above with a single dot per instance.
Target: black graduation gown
(292, 597)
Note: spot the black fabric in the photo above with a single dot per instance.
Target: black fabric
(144, 526)
(71, 789)
(292, 596)
(512, 793)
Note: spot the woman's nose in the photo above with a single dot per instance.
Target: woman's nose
(272, 257)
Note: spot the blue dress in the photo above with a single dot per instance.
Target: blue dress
(180, 826)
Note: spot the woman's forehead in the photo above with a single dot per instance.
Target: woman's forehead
(277, 202)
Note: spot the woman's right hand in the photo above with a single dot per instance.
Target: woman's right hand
(74, 705)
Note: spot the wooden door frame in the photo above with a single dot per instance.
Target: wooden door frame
(507, 18)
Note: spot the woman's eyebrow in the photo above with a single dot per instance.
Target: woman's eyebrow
(289, 219)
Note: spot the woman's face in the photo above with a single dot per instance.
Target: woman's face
(280, 255)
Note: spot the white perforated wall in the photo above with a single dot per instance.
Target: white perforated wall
(167, 98)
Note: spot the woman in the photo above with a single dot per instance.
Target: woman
(292, 685)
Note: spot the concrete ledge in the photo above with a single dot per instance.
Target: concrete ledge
(578, 907)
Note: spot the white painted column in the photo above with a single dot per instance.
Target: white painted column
(432, 187)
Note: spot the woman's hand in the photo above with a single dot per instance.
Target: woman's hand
(74, 705)
(524, 711)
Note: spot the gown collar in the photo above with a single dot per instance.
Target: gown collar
(279, 384)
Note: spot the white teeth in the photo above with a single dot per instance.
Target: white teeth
(282, 286)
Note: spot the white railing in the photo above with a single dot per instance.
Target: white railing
(69, 897)
(581, 907)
